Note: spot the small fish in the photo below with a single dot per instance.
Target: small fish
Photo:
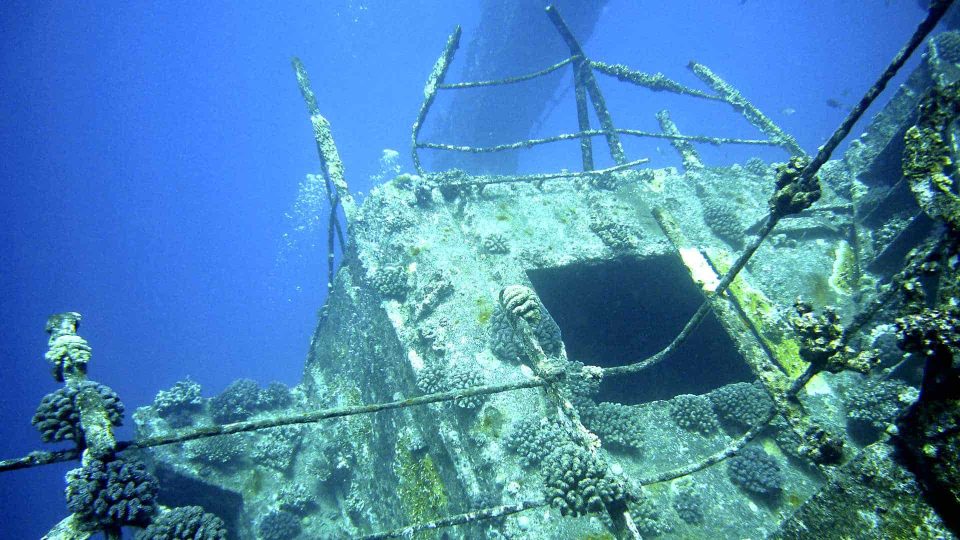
(834, 104)
(789, 111)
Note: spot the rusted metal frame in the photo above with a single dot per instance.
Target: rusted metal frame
(508, 80)
(730, 314)
(656, 82)
(753, 115)
(936, 11)
(594, 133)
(583, 74)
(688, 154)
(430, 91)
(747, 339)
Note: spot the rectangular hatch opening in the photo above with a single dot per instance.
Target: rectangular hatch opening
(614, 313)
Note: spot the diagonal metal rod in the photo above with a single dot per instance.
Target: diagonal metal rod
(331, 168)
(937, 9)
(434, 80)
(749, 111)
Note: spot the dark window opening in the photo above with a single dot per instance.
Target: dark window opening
(618, 312)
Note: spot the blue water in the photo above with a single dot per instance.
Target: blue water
(150, 153)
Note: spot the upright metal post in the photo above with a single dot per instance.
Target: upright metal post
(430, 90)
(583, 75)
(583, 120)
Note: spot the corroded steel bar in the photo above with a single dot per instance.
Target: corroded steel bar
(303, 81)
(459, 519)
(730, 451)
(35, 459)
(508, 80)
(593, 133)
(657, 82)
(332, 224)
(691, 160)
(753, 115)
(326, 147)
(552, 176)
(324, 414)
(937, 9)
(583, 72)
(38, 458)
(744, 335)
(430, 91)
(583, 121)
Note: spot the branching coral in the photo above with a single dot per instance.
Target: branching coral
(277, 447)
(533, 438)
(650, 521)
(724, 221)
(275, 396)
(689, 506)
(278, 525)
(237, 402)
(741, 406)
(58, 417)
(617, 425)
(756, 472)
(874, 405)
(693, 413)
(179, 403)
(219, 452)
(506, 345)
(114, 493)
(432, 378)
(391, 282)
(463, 377)
(185, 523)
(577, 482)
(296, 498)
